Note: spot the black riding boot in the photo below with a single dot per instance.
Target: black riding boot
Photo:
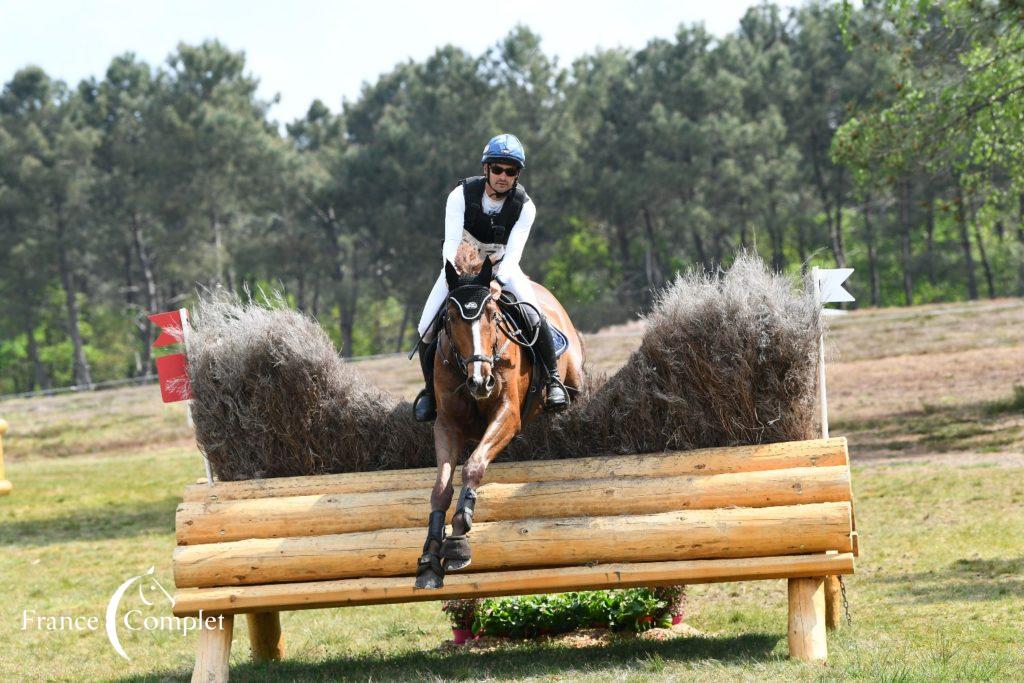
(557, 397)
(424, 408)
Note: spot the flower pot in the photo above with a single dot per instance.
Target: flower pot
(461, 635)
(677, 619)
(645, 620)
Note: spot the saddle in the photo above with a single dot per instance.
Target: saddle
(518, 317)
(507, 305)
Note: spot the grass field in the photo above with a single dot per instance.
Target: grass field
(926, 396)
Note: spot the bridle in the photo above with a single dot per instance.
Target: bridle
(497, 355)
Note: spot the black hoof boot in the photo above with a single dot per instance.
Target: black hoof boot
(456, 553)
(430, 567)
(455, 549)
(429, 572)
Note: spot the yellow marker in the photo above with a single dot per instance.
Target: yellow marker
(5, 486)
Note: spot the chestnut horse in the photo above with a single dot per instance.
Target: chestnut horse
(482, 378)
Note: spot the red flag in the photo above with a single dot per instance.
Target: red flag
(173, 373)
(170, 328)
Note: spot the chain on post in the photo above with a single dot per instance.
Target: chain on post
(846, 602)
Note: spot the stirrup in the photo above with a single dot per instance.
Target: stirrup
(553, 405)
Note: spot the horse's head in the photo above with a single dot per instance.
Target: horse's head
(472, 325)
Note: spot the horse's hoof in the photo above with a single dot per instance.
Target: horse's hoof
(456, 553)
(430, 571)
(456, 565)
(429, 580)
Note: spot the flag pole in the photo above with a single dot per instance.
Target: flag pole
(823, 395)
(185, 329)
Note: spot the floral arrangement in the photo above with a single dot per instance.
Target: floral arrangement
(460, 612)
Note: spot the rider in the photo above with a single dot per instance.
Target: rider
(494, 214)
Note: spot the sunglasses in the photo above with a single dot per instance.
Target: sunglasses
(511, 172)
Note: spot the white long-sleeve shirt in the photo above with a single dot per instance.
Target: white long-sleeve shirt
(510, 253)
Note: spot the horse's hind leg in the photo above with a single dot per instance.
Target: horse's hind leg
(430, 567)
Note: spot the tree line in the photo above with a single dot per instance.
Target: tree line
(804, 136)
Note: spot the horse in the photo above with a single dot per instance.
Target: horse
(482, 397)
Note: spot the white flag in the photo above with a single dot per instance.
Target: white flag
(830, 284)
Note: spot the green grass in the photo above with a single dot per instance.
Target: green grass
(937, 595)
(1012, 404)
(127, 420)
(982, 427)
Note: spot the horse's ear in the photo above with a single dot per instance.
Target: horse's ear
(451, 275)
(486, 273)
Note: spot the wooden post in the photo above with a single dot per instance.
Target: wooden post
(5, 486)
(807, 619)
(214, 652)
(833, 603)
(265, 636)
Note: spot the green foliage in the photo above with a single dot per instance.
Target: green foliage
(532, 615)
(959, 96)
(460, 612)
(581, 271)
(901, 157)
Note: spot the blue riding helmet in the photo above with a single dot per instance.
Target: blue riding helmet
(504, 147)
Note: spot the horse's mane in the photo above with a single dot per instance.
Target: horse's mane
(468, 260)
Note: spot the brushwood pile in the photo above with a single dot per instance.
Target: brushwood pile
(726, 359)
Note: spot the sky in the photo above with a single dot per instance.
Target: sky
(307, 49)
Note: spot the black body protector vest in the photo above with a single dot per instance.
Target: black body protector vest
(485, 227)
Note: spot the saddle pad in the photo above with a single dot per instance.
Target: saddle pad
(561, 341)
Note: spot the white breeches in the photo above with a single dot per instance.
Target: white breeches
(515, 282)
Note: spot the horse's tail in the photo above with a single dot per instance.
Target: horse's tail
(583, 346)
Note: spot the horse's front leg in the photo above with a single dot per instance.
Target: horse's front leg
(503, 426)
(448, 444)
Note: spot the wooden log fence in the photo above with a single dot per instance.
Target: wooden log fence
(727, 514)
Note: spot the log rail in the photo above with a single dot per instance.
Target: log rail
(725, 514)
